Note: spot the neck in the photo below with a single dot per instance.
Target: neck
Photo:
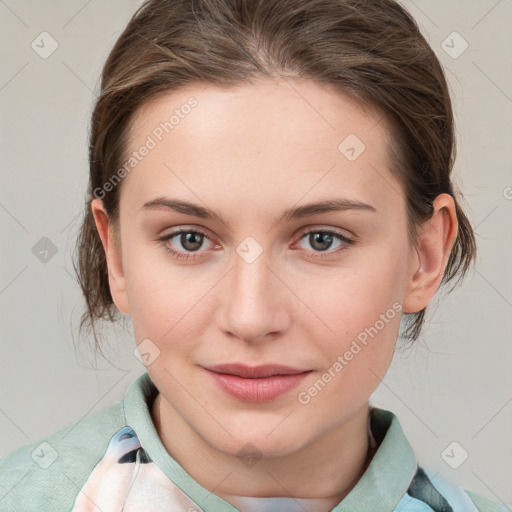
(329, 467)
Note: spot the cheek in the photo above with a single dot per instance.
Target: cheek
(354, 296)
(166, 300)
(360, 310)
(356, 357)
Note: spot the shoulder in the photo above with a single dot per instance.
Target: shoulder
(485, 505)
(46, 474)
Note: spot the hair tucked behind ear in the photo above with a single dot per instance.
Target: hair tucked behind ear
(371, 51)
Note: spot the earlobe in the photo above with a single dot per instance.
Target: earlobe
(435, 241)
(116, 277)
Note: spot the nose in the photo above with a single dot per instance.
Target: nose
(255, 301)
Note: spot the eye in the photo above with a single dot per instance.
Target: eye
(190, 240)
(322, 240)
(127, 435)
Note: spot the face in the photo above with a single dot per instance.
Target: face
(320, 291)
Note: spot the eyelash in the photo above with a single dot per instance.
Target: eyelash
(180, 255)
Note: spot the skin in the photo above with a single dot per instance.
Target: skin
(250, 153)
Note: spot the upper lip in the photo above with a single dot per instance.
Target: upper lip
(255, 372)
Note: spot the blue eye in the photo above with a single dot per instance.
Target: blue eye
(192, 241)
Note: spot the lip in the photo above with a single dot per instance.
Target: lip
(254, 372)
(256, 383)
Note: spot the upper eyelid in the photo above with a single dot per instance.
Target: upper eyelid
(302, 231)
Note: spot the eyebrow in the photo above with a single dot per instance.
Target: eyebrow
(307, 210)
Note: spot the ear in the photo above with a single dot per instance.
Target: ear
(435, 241)
(116, 278)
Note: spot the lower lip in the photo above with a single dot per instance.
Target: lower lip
(257, 390)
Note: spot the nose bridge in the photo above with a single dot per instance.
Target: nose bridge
(252, 306)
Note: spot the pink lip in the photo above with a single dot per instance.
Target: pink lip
(256, 384)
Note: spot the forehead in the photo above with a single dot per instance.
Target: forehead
(283, 139)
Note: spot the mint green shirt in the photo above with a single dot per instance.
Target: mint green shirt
(114, 460)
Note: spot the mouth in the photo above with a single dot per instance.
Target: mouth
(255, 372)
(257, 383)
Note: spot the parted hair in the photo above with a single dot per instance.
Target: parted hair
(372, 51)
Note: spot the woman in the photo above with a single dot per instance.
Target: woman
(270, 194)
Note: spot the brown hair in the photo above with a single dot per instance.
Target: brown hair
(371, 51)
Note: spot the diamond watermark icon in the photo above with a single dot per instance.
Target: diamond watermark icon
(351, 147)
(146, 352)
(249, 454)
(45, 454)
(44, 45)
(454, 45)
(249, 249)
(454, 455)
(44, 250)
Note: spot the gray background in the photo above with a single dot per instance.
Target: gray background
(455, 385)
